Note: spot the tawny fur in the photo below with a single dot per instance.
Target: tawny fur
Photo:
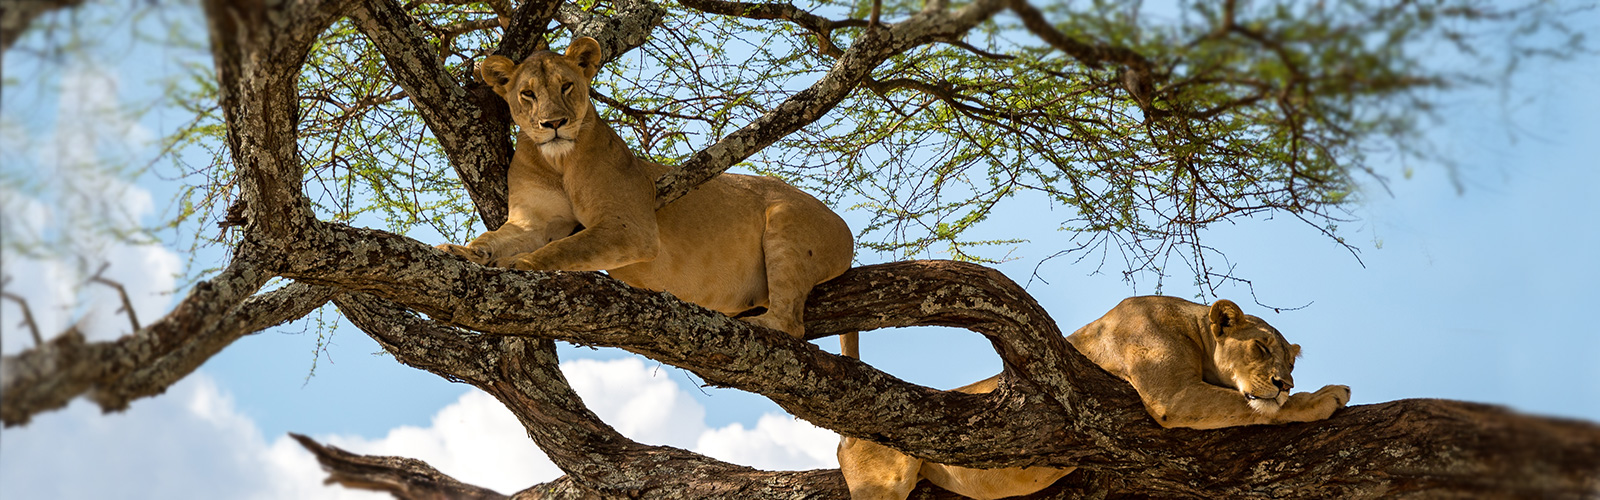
(1194, 366)
(734, 244)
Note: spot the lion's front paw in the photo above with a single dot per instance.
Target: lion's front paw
(1313, 406)
(1339, 393)
(471, 254)
(522, 262)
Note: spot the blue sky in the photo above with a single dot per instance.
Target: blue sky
(1484, 294)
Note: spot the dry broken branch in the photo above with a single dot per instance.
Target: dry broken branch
(405, 478)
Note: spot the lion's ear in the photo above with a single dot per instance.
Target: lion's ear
(496, 71)
(585, 52)
(1224, 314)
(1294, 351)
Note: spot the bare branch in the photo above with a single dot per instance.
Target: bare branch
(1089, 55)
(27, 312)
(127, 305)
(405, 478)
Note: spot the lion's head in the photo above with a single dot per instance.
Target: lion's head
(548, 93)
(1252, 357)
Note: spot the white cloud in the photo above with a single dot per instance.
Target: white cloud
(475, 440)
(641, 402)
(189, 443)
(479, 441)
(778, 442)
(193, 442)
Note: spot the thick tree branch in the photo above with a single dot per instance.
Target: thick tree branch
(530, 24)
(625, 29)
(523, 374)
(471, 130)
(213, 315)
(588, 308)
(16, 15)
(1053, 407)
(258, 50)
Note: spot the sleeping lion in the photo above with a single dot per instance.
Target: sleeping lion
(1194, 366)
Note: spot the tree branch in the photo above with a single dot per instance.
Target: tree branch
(820, 27)
(1053, 406)
(1089, 55)
(27, 312)
(405, 478)
(479, 149)
(146, 362)
(16, 15)
(523, 374)
(626, 29)
(258, 50)
(127, 304)
(855, 64)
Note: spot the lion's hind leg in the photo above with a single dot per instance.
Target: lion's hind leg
(876, 472)
(801, 248)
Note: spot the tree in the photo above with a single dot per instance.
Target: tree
(1150, 132)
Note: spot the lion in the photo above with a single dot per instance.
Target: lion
(1194, 366)
(746, 246)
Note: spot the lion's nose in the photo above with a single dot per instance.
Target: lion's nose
(554, 124)
(1281, 384)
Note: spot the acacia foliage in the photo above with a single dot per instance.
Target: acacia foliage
(1144, 123)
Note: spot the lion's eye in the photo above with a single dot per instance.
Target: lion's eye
(566, 87)
(529, 94)
(1262, 348)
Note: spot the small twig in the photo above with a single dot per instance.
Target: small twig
(27, 314)
(127, 305)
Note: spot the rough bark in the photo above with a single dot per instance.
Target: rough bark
(462, 115)
(495, 328)
(1422, 447)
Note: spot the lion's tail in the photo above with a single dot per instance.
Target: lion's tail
(850, 344)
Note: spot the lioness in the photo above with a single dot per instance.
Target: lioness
(581, 201)
(1194, 366)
